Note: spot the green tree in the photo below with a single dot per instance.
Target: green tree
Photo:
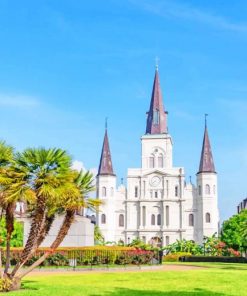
(234, 231)
(98, 236)
(16, 237)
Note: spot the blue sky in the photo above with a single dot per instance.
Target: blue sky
(66, 65)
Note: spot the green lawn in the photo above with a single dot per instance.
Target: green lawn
(218, 280)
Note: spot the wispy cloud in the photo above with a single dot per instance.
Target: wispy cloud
(186, 11)
(18, 101)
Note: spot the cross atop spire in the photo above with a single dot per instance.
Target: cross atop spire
(156, 120)
(207, 161)
(105, 166)
(157, 63)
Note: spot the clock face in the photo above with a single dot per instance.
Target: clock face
(155, 181)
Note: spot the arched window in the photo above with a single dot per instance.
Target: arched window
(112, 191)
(144, 216)
(104, 191)
(151, 162)
(191, 220)
(160, 161)
(207, 189)
(176, 190)
(103, 219)
(208, 218)
(158, 219)
(121, 220)
(156, 194)
(167, 216)
(156, 117)
(152, 219)
(199, 189)
(136, 191)
(93, 219)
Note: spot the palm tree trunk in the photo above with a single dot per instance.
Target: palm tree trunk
(36, 226)
(68, 220)
(9, 229)
(45, 229)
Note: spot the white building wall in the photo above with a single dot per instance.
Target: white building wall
(81, 232)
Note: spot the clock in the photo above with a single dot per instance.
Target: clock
(155, 181)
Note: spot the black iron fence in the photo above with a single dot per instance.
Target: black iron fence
(73, 257)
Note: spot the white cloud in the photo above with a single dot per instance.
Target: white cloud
(78, 166)
(18, 101)
(187, 12)
(94, 171)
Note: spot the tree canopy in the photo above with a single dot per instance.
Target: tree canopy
(234, 231)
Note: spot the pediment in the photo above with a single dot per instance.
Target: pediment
(156, 172)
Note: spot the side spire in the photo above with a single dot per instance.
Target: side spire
(207, 161)
(157, 117)
(105, 166)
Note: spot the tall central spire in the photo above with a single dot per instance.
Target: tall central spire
(156, 120)
(105, 166)
(207, 161)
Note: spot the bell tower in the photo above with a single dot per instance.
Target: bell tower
(156, 143)
(208, 215)
(106, 191)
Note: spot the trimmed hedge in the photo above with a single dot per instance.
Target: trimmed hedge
(89, 256)
(174, 257)
(223, 259)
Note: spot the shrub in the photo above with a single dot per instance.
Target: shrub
(213, 259)
(57, 260)
(174, 257)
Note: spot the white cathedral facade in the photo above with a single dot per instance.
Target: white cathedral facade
(158, 206)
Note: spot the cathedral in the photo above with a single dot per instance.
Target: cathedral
(157, 205)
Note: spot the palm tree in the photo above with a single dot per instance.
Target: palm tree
(70, 203)
(6, 156)
(46, 171)
(11, 191)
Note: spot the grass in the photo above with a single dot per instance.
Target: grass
(218, 280)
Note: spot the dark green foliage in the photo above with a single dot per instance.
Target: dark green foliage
(57, 260)
(224, 259)
(17, 235)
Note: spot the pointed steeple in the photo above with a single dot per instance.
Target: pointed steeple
(207, 161)
(105, 166)
(156, 120)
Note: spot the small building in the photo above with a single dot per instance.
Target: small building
(81, 232)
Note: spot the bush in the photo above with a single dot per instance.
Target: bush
(175, 256)
(213, 259)
(57, 260)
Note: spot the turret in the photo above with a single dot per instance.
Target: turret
(106, 190)
(208, 216)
